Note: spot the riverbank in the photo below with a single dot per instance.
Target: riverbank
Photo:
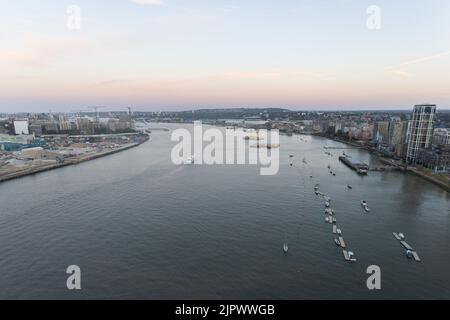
(69, 162)
(429, 176)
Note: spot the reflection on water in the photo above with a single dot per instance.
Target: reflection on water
(140, 227)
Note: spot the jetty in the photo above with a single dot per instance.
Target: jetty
(341, 240)
(400, 238)
(360, 168)
(346, 256)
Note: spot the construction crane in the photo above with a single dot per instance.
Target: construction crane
(97, 114)
(129, 117)
(78, 112)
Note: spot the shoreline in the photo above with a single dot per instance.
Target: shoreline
(72, 162)
(411, 170)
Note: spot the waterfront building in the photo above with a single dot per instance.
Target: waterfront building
(36, 129)
(6, 127)
(21, 127)
(420, 130)
(51, 127)
(436, 159)
(15, 142)
(381, 131)
(397, 137)
(397, 132)
(441, 136)
(367, 132)
(85, 125)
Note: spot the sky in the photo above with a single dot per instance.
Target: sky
(165, 55)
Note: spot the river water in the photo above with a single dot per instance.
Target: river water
(140, 227)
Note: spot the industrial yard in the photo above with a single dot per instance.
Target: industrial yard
(63, 150)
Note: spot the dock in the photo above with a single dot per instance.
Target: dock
(360, 168)
(397, 236)
(415, 255)
(341, 240)
(346, 256)
(407, 246)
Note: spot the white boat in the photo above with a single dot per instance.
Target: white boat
(327, 204)
(339, 231)
(285, 248)
(367, 209)
(337, 242)
(364, 203)
(351, 255)
(401, 236)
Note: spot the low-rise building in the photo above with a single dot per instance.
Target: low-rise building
(437, 158)
(441, 136)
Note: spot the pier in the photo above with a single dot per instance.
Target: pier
(400, 238)
(341, 240)
(360, 168)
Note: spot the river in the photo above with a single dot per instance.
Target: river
(140, 227)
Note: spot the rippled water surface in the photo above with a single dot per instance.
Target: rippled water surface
(142, 228)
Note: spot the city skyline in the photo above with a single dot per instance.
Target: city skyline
(168, 55)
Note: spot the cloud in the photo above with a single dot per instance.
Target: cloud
(148, 2)
(400, 68)
(225, 9)
(271, 74)
(38, 51)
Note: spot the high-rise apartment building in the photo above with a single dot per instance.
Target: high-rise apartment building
(420, 130)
